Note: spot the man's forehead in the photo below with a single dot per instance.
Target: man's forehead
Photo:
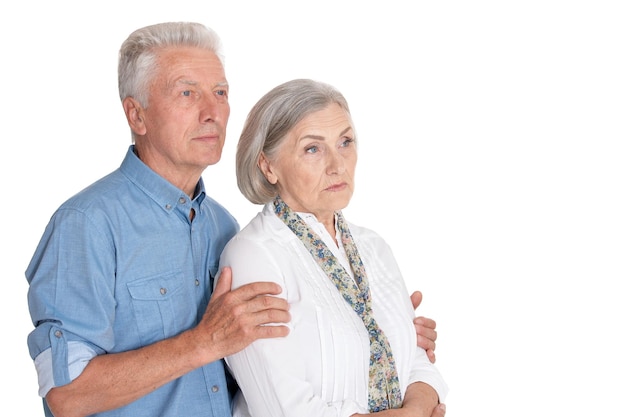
(191, 68)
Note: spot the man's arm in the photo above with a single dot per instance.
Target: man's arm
(232, 320)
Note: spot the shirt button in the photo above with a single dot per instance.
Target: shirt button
(163, 291)
(215, 388)
(181, 200)
(168, 206)
(58, 333)
(197, 283)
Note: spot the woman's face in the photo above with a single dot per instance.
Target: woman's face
(315, 164)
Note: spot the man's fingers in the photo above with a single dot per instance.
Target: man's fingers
(426, 323)
(426, 336)
(425, 329)
(252, 298)
(259, 303)
(224, 282)
(268, 309)
(425, 342)
(431, 356)
(416, 299)
(267, 332)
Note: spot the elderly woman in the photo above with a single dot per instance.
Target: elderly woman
(351, 349)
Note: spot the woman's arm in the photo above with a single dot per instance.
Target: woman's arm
(420, 400)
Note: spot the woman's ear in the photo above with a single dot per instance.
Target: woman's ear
(134, 115)
(266, 168)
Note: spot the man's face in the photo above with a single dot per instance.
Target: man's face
(185, 121)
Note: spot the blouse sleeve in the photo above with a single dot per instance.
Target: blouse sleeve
(271, 372)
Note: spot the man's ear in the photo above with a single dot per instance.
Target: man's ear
(134, 115)
(266, 169)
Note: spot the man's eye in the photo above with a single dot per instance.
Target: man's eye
(221, 92)
(187, 93)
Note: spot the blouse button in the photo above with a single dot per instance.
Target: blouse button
(197, 283)
(58, 333)
(181, 200)
(215, 388)
(163, 291)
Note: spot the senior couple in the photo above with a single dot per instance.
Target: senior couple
(142, 283)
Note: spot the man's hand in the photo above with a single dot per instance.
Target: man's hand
(235, 318)
(425, 329)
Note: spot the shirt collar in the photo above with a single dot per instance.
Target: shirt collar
(166, 195)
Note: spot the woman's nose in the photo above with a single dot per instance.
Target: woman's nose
(336, 163)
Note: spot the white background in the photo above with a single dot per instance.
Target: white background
(492, 158)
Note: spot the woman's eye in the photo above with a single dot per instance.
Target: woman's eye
(347, 142)
(311, 149)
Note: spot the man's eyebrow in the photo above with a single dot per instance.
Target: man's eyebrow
(195, 83)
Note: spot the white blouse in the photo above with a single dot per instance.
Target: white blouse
(321, 368)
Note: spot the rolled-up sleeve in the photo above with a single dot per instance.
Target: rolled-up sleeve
(70, 300)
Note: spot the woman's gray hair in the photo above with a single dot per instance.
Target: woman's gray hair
(137, 56)
(267, 126)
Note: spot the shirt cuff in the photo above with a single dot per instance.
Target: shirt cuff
(78, 357)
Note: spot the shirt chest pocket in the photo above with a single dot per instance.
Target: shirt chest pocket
(163, 306)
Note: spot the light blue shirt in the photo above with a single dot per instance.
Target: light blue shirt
(121, 266)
